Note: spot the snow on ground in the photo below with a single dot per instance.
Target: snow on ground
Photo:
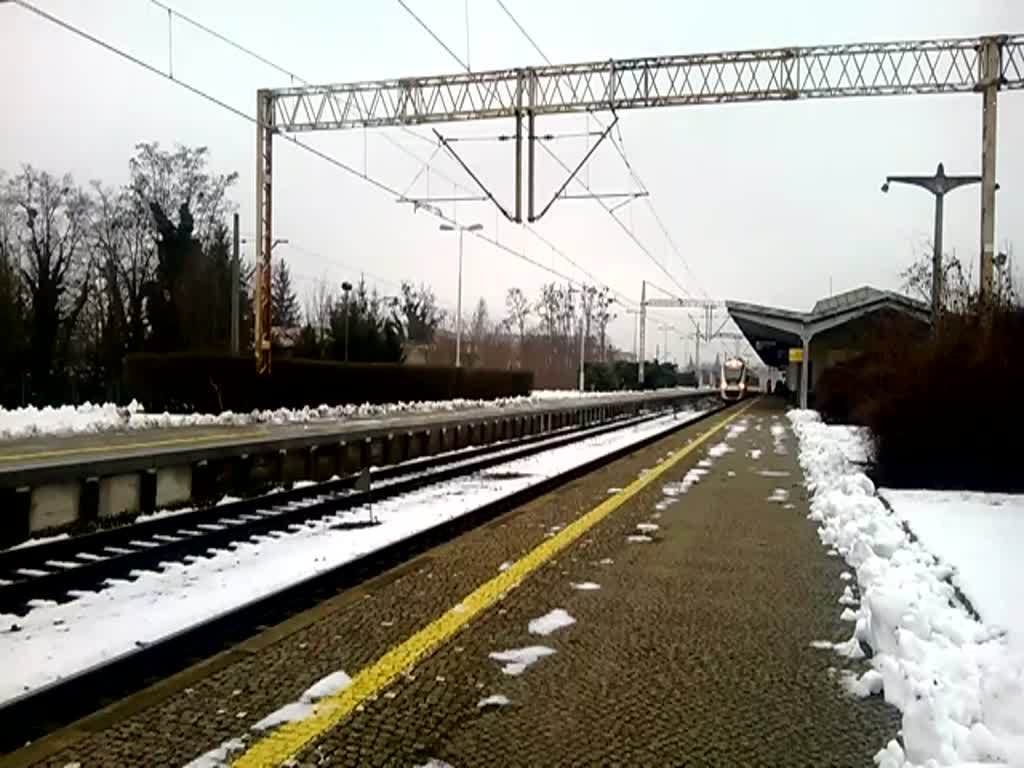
(982, 536)
(54, 641)
(638, 538)
(516, 660)
(585, 586)
(552, 621)
(303, 708)
(218, 756)
(959, 682)
(719, 449)
(497, 700)
(88, 418)
(40, 540)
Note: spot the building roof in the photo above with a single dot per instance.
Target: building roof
(773, 330)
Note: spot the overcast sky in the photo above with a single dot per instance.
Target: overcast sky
(770, 203)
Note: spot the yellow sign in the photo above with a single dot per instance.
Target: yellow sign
(796, 355)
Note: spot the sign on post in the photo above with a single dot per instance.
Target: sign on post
(796, 354)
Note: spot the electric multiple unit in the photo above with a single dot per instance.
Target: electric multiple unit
(734, 379)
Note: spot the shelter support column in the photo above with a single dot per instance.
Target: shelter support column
(805, 369)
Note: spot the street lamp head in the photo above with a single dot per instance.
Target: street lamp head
(474, 227)
(885, 187)
(447, 228)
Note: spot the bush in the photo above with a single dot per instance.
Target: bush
(207, 383)
(943, 413)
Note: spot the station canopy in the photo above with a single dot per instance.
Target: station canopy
(772, 331)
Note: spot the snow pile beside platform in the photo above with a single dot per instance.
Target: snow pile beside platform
(958, 681)
(89, 418)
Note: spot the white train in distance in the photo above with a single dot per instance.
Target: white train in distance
(737, 380)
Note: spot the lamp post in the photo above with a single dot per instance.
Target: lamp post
(346, 287)
(938, 185)
(458, 302)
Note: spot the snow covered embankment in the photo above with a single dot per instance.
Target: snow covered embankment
(88, 418)
(958, 682)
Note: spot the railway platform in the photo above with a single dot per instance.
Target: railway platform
(658, 611)
(75, 482)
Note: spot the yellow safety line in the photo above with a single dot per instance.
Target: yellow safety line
(9, 458)
(286, 741)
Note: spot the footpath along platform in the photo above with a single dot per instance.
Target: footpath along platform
(694, 597)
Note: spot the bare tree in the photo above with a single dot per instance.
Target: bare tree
(11, 303)
(602, 317)
(126, 260)
(318, 308)
(169, 180)
(481, 332)
(518, 311)
(51, 224)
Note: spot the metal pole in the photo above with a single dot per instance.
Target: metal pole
(643, 331)
(458, 310)
(234, 288)
(264, 233)
(348, 312)
(583, 343)
(519, 167)
(531, 140)
(937, 273)
(700, 373)
(990, 62)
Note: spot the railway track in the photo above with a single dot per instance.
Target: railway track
(62, 569)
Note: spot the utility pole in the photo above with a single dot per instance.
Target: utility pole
(583, 343)
(234, 288)
(990, 61)
(643, 331)
(939, 185)
(346, 288)
(696, 336)
(458, 302)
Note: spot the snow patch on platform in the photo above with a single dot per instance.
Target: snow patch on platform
(516, 660)
(497, 700)
(304, 707)
(219, 756)
(550, 622)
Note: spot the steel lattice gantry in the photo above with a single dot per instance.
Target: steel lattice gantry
(961, 65)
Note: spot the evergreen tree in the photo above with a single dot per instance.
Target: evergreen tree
(284, 304)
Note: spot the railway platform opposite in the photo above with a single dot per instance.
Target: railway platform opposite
(660, 611)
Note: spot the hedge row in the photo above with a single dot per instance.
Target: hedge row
(189, 382)
(942, 413)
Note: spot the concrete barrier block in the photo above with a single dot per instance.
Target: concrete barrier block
(173, 485)
(54, 506)
(296, 466)
(16, 504)
(120, 494)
